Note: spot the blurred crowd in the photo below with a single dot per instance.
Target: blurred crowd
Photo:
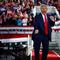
(16, 13)
(20, 13)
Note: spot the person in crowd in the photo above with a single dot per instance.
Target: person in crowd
(19, 20)
(30, 20)
(3, 18)
(57, 5)
(25, 18)
(42, 32)
(9, 19)
(33, 10)
(19, 8)
(47, 2)
(44, 2)
(0, 19)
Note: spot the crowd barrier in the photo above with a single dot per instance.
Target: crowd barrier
(17, 34)
(56, 35)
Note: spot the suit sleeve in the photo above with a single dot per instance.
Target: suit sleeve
(35, 23)
(52, 23)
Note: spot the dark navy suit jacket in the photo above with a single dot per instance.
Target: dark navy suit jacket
(39, 24)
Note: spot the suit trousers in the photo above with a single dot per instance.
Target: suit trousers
(45, 45)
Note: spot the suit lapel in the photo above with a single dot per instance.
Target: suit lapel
(41, 18)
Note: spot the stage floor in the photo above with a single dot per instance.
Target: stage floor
(52, 55)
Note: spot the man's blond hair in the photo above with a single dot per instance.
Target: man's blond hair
(43, 5)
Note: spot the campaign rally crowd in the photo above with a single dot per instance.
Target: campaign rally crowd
(21, 12)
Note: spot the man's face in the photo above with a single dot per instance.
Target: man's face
(44, 9)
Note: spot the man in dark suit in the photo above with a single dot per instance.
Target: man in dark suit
(42, 32)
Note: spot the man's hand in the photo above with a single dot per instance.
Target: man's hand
(53, 18)
(36, 31)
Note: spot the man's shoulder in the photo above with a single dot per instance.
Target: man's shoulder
(38, 14)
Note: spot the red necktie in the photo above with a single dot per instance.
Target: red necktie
(45, 25)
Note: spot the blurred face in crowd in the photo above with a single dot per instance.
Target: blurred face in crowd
(44, 9)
